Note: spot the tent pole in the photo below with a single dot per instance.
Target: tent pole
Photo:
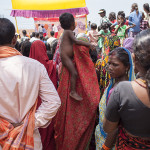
(16, 25)
(86, 24)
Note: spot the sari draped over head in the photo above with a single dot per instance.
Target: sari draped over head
(38, 52)
(20, 137)
(110, 42)
(75, 119)
(128, 44)
(100, 135)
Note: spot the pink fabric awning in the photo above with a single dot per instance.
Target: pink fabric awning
(48, 13)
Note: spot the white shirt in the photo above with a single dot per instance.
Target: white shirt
(33, 39)
(22, 79)
(40, 29)
(50, 40)
(55, 29)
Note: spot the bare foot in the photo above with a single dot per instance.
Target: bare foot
(75, 96)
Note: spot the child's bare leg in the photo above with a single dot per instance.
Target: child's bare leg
(67, 62)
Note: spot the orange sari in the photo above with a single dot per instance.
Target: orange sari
(20, 137)
(75, 120)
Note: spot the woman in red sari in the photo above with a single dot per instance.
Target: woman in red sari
(75, 120)
(38, 52)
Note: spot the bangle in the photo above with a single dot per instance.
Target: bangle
(105, 147)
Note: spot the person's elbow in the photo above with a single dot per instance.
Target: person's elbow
(76, 41)
(58, 102)
(109, 126)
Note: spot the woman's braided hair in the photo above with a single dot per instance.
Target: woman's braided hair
(142, 52)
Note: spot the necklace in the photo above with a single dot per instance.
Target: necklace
(143, 81)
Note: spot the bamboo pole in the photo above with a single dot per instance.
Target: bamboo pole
(86, 24)
(16, 25)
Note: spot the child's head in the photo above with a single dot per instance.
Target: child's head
(112, 16)
(67, 21)
(93, 26)
(104, 26)
(122, 14)
(120, 19)
(99, 28)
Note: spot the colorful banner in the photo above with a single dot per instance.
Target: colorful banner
(47, 23)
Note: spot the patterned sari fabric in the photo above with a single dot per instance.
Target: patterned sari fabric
(100, 135)
(20, 137)
(127, 142)
(75, 120)
(111, 42)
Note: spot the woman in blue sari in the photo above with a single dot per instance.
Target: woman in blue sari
(120, 67)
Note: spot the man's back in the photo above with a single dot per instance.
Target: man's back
(50, 40)
(21, 81)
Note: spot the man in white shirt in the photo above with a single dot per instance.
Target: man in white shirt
(40, 30)
(36, 36)
(103, 18)
(32, 37)
(22, 80)
(51, 39)
(54, 28)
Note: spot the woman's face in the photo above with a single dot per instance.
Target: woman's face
(116, 68)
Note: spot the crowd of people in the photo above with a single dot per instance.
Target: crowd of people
(79, 92)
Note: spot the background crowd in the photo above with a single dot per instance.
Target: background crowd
(113, 80)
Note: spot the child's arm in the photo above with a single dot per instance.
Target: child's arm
(132, 26)
(100, 35)
(78, 42)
